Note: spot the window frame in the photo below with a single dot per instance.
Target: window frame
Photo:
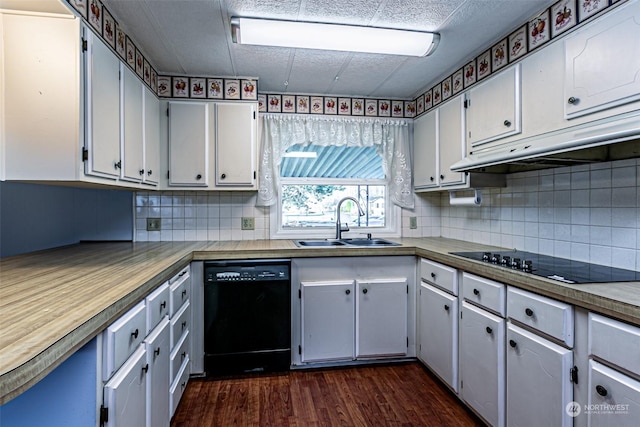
(393, 213)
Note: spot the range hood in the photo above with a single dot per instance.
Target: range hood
(614, 138)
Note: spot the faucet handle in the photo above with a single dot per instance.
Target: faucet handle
(344, 227)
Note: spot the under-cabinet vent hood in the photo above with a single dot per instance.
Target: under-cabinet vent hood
(615, 138)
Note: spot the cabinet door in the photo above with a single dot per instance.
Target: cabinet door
(236, 144)
(493, 108)
(125, 393)
(617, 394)
(439, 333)
(189, 127)
(327, 320)
(157, 348)
(151, 137)
(482, 365)
(132, 126)
(425, 150)
(381, 317)
(451, 143)
(103, 109)
(602, 62)
(538, 384)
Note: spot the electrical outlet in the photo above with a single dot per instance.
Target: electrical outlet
(413, 222)
(153, 224)
(248, 223)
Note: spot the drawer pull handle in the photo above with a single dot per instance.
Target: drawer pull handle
(528, 312)
(156, 352)
(184, 324)
(601, 390)
(184, 293)
(182, 273)
(183, 355)
(476, 292)
(184, 383)
(489, 330)
(446, 307)
(433, 276)
(348, 291)
(163, 305)
(364, 291)
(513, 344)
(145, 368)
(135, 333)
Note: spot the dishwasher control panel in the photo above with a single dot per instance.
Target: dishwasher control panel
(245, 271)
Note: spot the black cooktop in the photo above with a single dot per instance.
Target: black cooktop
(561, 269)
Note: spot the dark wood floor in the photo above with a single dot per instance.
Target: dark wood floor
(382, 395)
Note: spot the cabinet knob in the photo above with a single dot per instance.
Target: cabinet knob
(364, 291)
(141, 171)
(489, 330)
(528, 312)
(223, 176)
(446, 307)
(573, 100)
(163, 305)
(118, 164)
(149, 172)
(184, 324)
(198, 176)
(431, 178)
(513, 344)
(433, 275)
(183, 355)
(145, 368)
(601, 390)
(441, 176)
(156, 352)
(348, 291)
(507, 123)
(476, 292)
(135, 333)
(184, 293)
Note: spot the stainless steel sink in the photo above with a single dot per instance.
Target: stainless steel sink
(345, 242)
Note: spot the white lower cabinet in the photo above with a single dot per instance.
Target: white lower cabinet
(125, 393)
(328, 320)
(614, 398)
(539, 387)
(157, 347)
(438, 328)
(482, 364)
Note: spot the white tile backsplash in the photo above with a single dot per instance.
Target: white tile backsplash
(588, 212)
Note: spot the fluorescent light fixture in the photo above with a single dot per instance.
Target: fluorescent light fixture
(311, 35)
(301, 154)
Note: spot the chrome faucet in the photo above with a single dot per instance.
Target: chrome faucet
(339, 228)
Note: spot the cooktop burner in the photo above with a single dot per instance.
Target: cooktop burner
(562, 269)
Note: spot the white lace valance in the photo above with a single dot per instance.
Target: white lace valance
(389, 136)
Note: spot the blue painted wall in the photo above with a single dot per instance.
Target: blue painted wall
(35, 217)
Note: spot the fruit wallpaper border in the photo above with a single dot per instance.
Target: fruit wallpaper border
(547, 25)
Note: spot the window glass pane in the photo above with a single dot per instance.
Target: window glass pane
(331, 162)
(314, 206)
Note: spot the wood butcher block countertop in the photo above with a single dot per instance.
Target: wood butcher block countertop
(53, 302)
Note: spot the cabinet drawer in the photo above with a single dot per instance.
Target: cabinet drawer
(178, 387)
(178, 355)
(620, 392)
(440, 275)
(180, 323)
(615, 342)
(485, 293)
(123, 337)
(547, 315)
(157, 306)
(180, 290)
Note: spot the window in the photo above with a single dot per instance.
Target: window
(314, 179)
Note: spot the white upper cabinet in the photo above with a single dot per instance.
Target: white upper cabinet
(189, 134)
(103, 109)
(493, 108)
(132, 126)
(151, 138)
(425, 150)
(602, 62)
(451, 130)
(236, 135)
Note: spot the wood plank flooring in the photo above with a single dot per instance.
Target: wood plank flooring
(404, 394)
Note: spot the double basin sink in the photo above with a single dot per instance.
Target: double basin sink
(345, 243)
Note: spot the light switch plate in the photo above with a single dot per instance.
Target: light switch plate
(153, 224)
(248, 223)
(413, 222)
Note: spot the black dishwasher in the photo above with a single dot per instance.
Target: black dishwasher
(247, 316)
